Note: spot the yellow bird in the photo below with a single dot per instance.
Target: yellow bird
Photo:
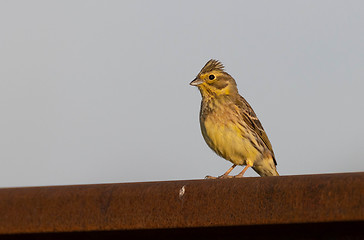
(229, 125)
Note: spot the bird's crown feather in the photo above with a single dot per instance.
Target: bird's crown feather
(212, 65)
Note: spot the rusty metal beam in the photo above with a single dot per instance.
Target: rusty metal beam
(195, 204)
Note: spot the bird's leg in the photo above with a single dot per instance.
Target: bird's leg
(240, 175)
(225, 175)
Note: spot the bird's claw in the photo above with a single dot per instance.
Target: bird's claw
(238, 176)
(210, 177)
(219, 177)
(225, 176)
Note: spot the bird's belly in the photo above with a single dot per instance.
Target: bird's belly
(230, 141)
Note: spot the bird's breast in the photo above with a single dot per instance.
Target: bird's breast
(227, 137)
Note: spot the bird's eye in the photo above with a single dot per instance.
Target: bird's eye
(211, 77)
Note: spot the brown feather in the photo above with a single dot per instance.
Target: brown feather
(212, 65)
(251, 119)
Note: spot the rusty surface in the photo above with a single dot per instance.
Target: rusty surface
(305, 199)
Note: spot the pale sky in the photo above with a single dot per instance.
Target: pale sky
(98, 91)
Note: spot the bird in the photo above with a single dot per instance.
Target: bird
(229, 124)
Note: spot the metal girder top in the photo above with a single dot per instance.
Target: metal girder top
(178, 205)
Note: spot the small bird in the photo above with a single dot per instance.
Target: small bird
(229, 125)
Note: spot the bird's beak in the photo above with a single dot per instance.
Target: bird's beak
(196, 82)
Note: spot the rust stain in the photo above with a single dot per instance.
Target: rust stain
(184, 204)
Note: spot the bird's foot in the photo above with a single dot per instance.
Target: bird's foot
(210, 177)
(225, 176)
(238, 176)
(219, 177)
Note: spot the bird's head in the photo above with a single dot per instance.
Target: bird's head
(213, 81)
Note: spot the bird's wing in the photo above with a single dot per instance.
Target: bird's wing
(251, 119)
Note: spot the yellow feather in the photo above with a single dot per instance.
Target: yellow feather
(229, 124)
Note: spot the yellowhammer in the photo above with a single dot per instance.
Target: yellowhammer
(229, 124)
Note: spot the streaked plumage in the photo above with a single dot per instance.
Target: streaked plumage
(229, 125)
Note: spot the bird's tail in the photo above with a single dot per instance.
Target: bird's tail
(266, 172)
(275, 172)
(266, 168)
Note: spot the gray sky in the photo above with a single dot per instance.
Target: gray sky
(98, 91)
